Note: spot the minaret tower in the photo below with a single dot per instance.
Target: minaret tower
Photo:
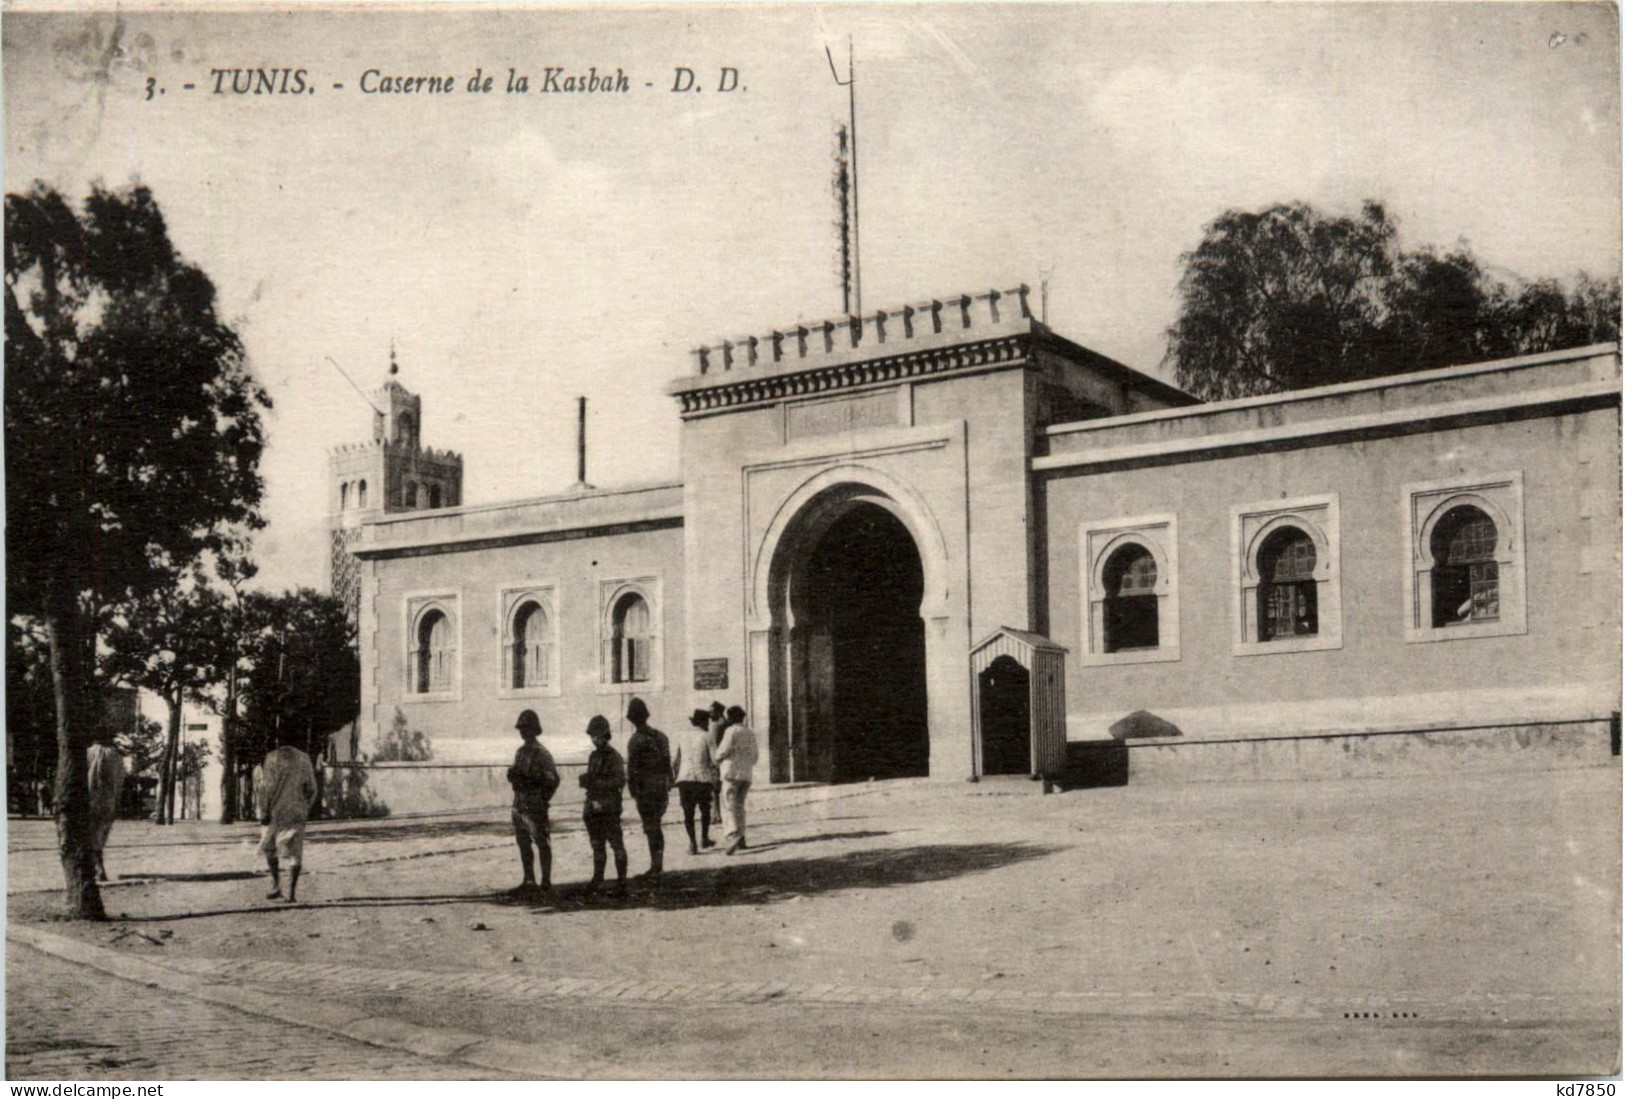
(390, 473)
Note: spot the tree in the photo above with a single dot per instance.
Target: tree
(30, 716)
(133, 434)
(1288, 298)
(304, 679)
(235, 570)
(172, 641)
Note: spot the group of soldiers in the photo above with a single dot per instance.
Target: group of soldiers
(711, 761)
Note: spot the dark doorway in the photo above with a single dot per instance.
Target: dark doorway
(1006, 718)
(862, 586)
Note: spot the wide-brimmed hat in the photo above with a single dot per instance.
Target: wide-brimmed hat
(700, 718)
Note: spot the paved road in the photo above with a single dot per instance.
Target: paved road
(66, 1022)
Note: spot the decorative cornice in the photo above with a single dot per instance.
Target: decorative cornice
(1001, 351)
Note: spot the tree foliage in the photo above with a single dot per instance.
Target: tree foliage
(304, 679)
(133, 436)
(174, 641)
(30, 716)
(401, 743)
(1289, 297)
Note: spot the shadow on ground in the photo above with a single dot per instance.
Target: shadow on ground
(740, 879)
(745, 881)
(222, 875)
(351, 832)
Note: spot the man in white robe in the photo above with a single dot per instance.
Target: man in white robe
(106, 784)
(285, 792)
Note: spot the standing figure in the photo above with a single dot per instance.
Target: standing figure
(106, 784)
(534, 779)
(648, 779)
(601, 813)
(285, 792)
(737, 756)
(695, 773)
(718, 716)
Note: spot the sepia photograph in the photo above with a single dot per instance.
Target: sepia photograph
(950, 541)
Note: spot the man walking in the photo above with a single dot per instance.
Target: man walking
(648, 779)
(601, 813)
(737, 757)
(106, 784)
(718, 725)
(695, 773)
(534, 779)
(286, 790)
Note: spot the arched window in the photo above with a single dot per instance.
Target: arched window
(411, 494)
(361, 495)
(344, 496)
(435, 658)
(629, 655)
(434, 496)
(1288, 603)
(1131, 600)
(1466, 577)
(532, 652)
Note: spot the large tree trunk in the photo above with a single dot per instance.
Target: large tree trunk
(72, 685)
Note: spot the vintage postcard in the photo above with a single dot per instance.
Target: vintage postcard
(873, 541)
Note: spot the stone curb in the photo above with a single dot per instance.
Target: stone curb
(437, 1043)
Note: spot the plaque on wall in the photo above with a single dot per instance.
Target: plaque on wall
(711, 674)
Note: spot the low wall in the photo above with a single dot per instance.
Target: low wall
(1550, 745)
(404, 789)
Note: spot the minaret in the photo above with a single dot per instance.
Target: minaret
(389, 473)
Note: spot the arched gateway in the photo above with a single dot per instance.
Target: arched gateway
(850, 579)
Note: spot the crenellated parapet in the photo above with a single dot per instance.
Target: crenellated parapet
(385, 446)
(964, 331)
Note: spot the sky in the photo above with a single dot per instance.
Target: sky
(521, 250)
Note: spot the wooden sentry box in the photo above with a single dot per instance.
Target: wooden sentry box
(1018, 705)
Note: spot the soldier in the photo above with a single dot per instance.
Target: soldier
(648, 779)
(601, 813)
(285, 793)
(534, 779)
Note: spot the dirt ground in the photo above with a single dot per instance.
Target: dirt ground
(1488, 904)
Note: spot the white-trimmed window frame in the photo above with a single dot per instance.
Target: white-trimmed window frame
(1500, 496)
(1097, 541)
(510, 599)
(414, 606)
(610, 593)
(1251, 525)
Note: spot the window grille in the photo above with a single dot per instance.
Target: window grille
(1466, 577)
(436, 656)
(1131, 601)
(532, 651)
(630, 642)
(1288, 600)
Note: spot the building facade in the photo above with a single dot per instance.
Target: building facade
(1429, 557)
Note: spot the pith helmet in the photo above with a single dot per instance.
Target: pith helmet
(528, 722)
(636, 710)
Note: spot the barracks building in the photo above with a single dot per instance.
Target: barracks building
(944, 541)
